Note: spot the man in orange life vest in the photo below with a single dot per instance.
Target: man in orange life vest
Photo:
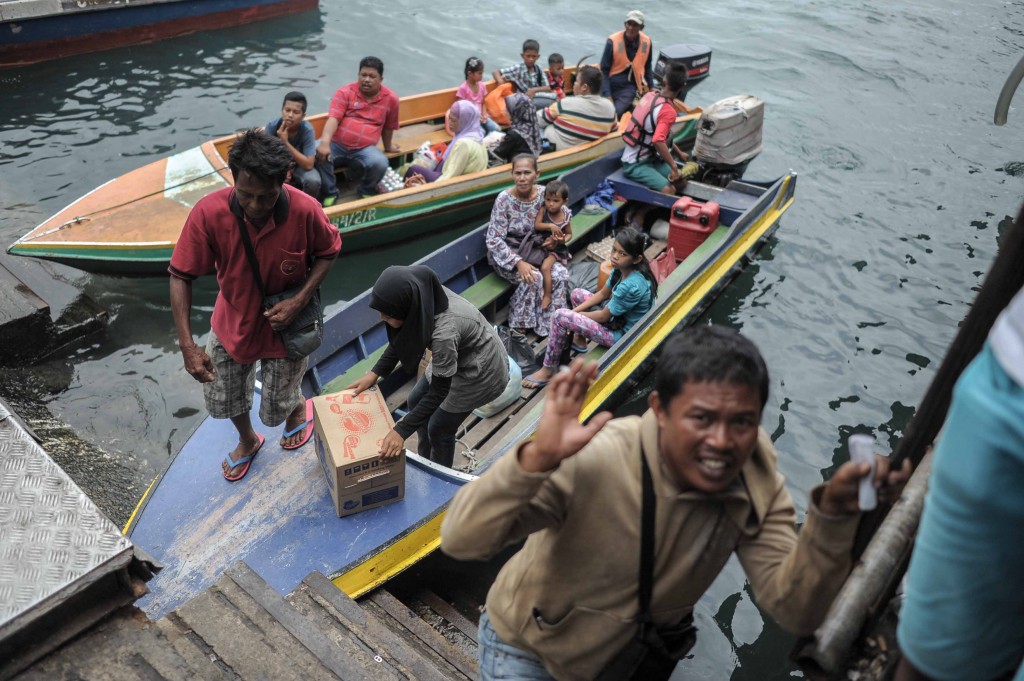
(647, 156)
(626, 63)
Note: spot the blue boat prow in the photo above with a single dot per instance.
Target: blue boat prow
(280, 518)
(280, 510)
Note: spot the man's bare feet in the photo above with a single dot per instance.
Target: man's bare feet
(246, 447)
(539, 378)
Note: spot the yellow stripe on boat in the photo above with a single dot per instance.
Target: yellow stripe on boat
(138, 506)
(382, 566)
(682, 304)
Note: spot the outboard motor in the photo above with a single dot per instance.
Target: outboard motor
(695, 58)
(728, 138)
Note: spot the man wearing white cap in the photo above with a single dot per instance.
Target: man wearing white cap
(626, 63)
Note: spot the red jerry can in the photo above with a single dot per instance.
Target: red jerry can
(690, 224)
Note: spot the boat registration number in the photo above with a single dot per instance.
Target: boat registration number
(356, 218)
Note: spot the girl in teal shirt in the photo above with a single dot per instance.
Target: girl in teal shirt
(630, 293)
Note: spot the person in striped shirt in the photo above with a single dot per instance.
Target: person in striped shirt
(583, 117)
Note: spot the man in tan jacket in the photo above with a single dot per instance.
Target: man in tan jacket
(564, 605)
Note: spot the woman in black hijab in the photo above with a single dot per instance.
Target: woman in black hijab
(468, 368)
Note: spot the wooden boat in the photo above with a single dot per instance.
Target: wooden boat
(131, 224)
(39, 30)
(281, 519)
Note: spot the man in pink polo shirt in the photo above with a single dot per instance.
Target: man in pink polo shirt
(361, 113)
(295, 247)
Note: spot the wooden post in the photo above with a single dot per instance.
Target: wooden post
(871, 583)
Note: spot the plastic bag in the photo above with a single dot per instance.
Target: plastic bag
(664, 265)
(518, 349)
(391, 181)
(424, 156)
(513, 391)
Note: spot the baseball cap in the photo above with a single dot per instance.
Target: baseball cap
(636, 16)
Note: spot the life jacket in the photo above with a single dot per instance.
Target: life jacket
(494, 102)
(620, 61)
(639, 130)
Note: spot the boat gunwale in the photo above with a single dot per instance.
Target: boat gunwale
(438, 195)
(783, 187)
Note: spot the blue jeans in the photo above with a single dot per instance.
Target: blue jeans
(490, 126)
(962, 615)
(499, 660)
(370, 160)
(308, 181)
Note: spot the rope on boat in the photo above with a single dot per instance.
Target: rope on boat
(470, 453)
(77, 220)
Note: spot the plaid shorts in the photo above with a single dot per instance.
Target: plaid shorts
(230, 393)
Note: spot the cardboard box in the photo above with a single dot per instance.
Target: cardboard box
(347, 432)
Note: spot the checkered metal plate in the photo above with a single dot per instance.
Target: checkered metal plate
(52, 537)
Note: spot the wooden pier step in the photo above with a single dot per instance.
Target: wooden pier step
(422, 656)
(240, 628)
(125, 647)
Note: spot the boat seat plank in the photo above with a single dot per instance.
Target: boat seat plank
(492, 287)
(409, 139)
(479, 432)
(356, 371)
(486, 291)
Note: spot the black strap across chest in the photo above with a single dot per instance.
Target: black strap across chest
(648, 508)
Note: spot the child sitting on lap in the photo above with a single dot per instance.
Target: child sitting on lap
(553, 230)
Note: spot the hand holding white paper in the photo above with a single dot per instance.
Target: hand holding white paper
(862, 450)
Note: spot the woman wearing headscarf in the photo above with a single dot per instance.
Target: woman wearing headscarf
(523, 136)
(468, 367)
(465, 154)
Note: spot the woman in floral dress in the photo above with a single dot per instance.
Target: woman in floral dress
(512, 221)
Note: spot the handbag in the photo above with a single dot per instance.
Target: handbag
(306, 331)
(518, 349)
(532, 249)
(654, 651)
(664, 265)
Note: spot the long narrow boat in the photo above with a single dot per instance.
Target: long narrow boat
(281, 519)
(38, 30)
(129, 226)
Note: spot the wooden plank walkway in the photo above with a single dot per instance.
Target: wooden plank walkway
(240, 628)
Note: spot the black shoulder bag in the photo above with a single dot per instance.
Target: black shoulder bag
(653, 652)
(306, 331)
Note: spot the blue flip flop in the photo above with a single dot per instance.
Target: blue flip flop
(536, 383)
(579, 348)
(246, 460)
(307, 425)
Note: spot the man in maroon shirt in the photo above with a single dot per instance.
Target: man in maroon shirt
(295, 247)
(361, 114)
